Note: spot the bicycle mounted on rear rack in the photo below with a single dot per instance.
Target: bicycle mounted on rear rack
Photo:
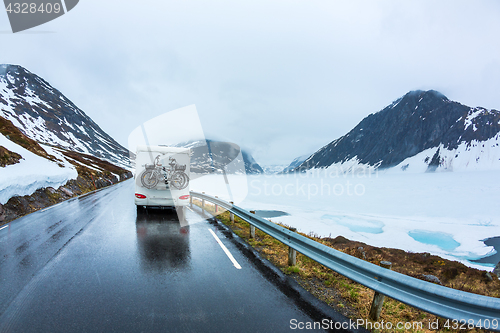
(154, 173)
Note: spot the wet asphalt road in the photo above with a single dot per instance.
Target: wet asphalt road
(92, 265)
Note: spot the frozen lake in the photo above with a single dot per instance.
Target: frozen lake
(445, 213)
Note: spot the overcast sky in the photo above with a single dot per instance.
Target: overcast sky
(279, 78)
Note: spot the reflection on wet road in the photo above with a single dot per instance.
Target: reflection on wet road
(91, 264)
(162, 242)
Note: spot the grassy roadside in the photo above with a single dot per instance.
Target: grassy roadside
(354, 300)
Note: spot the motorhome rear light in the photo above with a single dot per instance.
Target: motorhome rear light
(140, 196)
(184, 197)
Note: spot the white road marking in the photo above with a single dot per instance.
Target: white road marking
(4, 227)
(229, 255)
(43, 210)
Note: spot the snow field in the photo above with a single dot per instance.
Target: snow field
(443, 213)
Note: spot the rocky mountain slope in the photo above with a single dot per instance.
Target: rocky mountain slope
(34, 175)
(50, 150)
(45, 115)
(421, 131)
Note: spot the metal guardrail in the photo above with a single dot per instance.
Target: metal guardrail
(441, 301)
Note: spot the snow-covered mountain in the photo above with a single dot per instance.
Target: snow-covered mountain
(45, 115)
(211, 156)
(50, 150)
(421, 131)
(273, 169)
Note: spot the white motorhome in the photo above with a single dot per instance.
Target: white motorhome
(162, 177)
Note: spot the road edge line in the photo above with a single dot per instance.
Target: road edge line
(226, 251)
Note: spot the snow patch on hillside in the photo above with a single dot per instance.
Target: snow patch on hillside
(473, 156)
(473, 113)
(32, 172)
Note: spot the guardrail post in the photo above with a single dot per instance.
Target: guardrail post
(378, 299)
(252, 228)
(292, 254)
(231, 215)
(203, 204)
(216, 207)
(191, 201)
